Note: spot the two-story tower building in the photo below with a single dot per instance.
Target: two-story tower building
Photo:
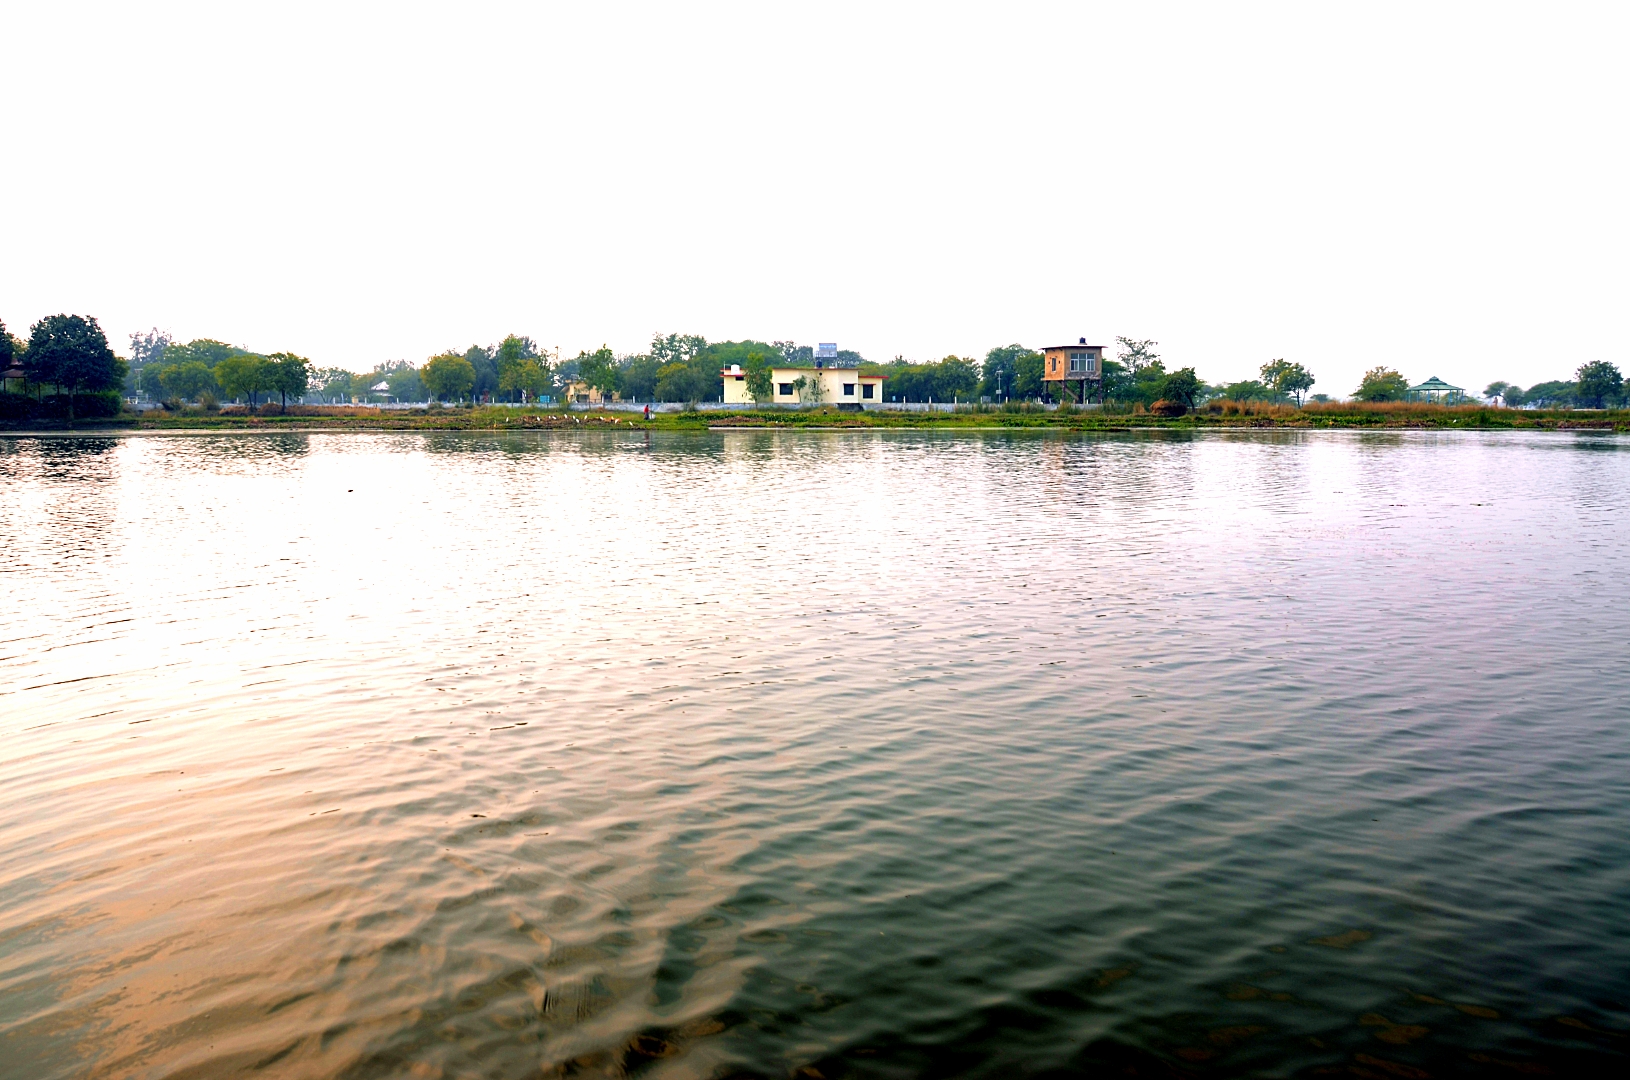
(1078, 363)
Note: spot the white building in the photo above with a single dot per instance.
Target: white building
(807, 386)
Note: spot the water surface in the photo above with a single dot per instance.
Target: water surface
(821, 754)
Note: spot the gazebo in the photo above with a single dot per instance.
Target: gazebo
(1435, 389)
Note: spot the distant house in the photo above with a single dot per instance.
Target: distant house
(1080, 363)
(581, 393)
(807, 386)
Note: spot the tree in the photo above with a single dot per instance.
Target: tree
(1136, 375)
(521, 367)
(1554, 394)
(760, 383)
(1597, 383)
(206, 351)
(1250, 390)
(1292, 380)
(333, 382)
(448, 375)
(8, 347)
(527, 375)
(1514, 397)
(811, 390)
(1496, 391)
(244, 376)
(676, 348)
(71, 353)
(639, 377)
(484, 365)
(148, 348)
(1382, 384)
(794, 354)
(674, 382)
(1182, 386)
(999, 376)
(288, 374)
(599, 370)
(146, 351)
(1135, 355)
(404, 382)
(186, 381)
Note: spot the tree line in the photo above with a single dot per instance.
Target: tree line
(70, 355)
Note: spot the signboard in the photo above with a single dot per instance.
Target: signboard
(826, 350)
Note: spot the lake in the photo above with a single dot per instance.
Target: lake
(815, 754)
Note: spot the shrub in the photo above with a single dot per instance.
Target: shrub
(15, 407)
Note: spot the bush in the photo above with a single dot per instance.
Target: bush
(20, 408)
(15, 407)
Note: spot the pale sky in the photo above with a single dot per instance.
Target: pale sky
(1438, 187)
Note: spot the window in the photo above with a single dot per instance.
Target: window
(785, 389)
(848, 389)
(866, 390)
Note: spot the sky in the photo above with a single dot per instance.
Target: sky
(1436, 187)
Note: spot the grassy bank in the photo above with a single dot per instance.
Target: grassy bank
(1216, 415)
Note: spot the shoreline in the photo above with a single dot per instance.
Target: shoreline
(701, 429)
(1227, 416)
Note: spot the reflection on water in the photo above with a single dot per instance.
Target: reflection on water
(819, 754)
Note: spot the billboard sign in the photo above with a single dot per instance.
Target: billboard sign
(827, 350)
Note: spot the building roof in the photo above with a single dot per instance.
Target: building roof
(1434, 384)
(1072, 345)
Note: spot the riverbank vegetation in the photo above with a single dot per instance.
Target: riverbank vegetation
(65, 371)
(1214, 415)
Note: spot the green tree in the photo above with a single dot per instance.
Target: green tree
(8, 347)
(245, 375)
(1135, 355)
(795, 355)
(1250, 390)
(146, 356)
(599, 370)
(517, 362)
(674, 382)
(1496, 391)
(332, 383)
(71, 353)
(206, 351)
(1514, 396)
(1182, 386)
(523, 376)
(1382, 384)
(956, 378)
(1556, 394)
(639, 377)
(288, 374)
(1136, 375)
(404, 381)
(186, 381)
(1292, 380)
(999, 375)
(811, 389)
(760, 383)
(448, 375)
(1597, 384)
(676, 348)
